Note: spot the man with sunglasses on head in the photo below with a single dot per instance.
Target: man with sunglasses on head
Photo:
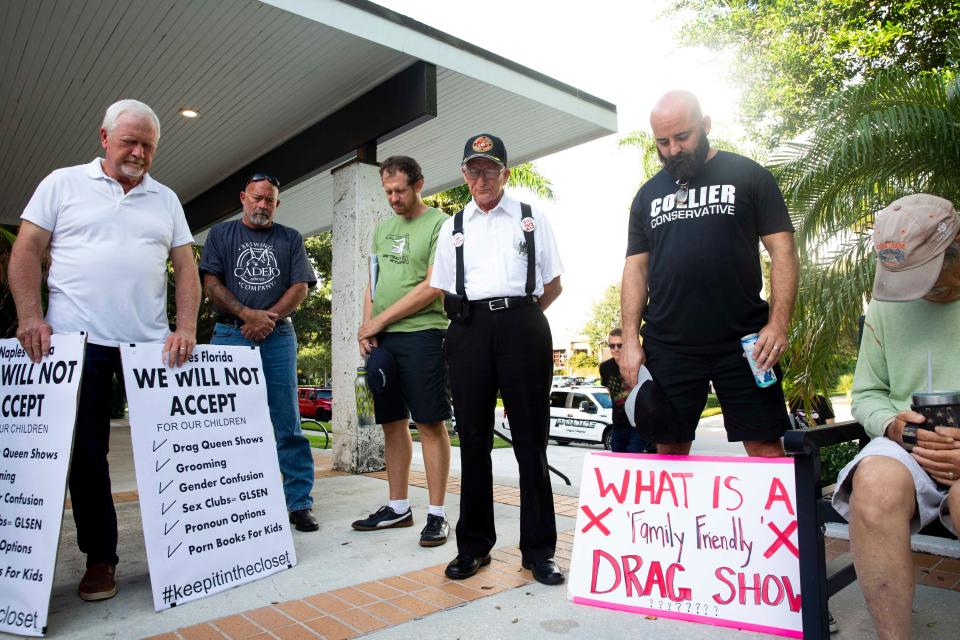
(498, 263)
(693, 276)
(256, 273)
(625, 438)
(110, 228)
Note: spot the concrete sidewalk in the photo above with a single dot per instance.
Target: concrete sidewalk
(383, 585)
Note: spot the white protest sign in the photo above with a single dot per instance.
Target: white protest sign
(38, 411)
(704, 539)
(211, 498)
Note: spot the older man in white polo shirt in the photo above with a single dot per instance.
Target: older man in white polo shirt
(110, 228)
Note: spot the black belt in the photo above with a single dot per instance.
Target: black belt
(236, 323)
(502, 304)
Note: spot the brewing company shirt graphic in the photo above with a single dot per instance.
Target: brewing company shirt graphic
(398, 251)
(256, 268)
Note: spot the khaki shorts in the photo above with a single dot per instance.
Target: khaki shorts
(931, 498)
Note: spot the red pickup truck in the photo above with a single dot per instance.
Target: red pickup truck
(315, 403)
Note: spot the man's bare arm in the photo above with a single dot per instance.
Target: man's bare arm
(413, 301)
(633, 304)
(290, 300)
(256, 322)
(551, 291)
(24, 277)
(784, 274)
(179, 344)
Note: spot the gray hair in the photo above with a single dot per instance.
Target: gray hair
(134, 107)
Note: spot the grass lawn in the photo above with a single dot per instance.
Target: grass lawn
(316, 441)
(712, 408)
(498, 443)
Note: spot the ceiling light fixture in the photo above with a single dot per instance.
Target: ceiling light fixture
(189, 113)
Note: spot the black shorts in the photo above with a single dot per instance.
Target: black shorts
(749, 412)
(421, 389)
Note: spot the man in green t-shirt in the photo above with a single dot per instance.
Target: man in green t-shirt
(403, 316)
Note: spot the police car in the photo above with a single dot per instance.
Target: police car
(579, 414)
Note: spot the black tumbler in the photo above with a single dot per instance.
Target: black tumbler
(939, 408)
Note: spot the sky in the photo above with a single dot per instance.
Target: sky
(627, 53)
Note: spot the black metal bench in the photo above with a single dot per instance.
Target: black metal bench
(818, 579)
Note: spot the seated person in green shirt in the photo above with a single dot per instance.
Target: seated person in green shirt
(404, 316)
(886, 493)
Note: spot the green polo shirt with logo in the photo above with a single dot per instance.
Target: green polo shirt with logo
(405, 250)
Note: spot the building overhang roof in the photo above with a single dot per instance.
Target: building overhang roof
(260, 74)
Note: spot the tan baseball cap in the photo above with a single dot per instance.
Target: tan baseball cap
(910, 237)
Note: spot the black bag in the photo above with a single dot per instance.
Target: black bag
(457, 307)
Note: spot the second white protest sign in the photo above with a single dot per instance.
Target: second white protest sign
(211, 496)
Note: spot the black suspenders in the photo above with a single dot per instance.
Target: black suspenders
(528, 239)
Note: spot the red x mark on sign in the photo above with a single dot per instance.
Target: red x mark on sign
(783, 539)
(595, 520)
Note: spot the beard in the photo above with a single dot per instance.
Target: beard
(260, 218)
(132, 169)
(685, 165)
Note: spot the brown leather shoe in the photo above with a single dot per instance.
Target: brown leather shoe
(98, 582)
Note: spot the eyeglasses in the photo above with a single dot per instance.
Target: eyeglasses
(683, 192)
(615, 345)
(489, 174)
(257, 177)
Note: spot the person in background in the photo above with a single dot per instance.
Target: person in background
(821, 412)
(256, 273)
(625, 438)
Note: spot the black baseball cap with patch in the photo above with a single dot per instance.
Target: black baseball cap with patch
(485, 145)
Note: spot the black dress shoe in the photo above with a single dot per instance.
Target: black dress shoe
(544, 571)
(465, 565)
(303, 520)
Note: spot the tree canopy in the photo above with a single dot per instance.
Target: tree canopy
(793, 54)
(605, 316)
(871, 144)
(523, 176)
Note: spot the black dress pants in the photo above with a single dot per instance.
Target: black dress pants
(509, 350)
(90, 494)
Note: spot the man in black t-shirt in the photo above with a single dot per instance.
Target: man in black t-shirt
(256, 273)
(693, 276)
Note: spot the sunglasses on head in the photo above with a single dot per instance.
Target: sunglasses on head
(257, 177)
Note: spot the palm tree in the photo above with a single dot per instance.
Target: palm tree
(523, 176)
(872, 143)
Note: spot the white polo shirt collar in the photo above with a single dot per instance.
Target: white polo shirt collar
(95, 171)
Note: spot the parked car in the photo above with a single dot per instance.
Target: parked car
(315, 402)
(579, 414)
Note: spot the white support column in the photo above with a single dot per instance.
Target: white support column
(359, 204)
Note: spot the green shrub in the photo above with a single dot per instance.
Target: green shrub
(844, 384)
(835, 458)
